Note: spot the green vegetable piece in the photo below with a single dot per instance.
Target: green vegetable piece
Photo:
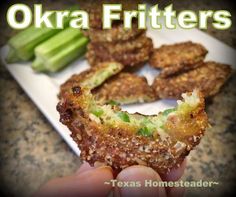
(168, 111)
(38, 65)
(123, 116)
(12, 56)
(22, 45)
(60, 50)
(97, 112)
(113, 103)
(144, 132)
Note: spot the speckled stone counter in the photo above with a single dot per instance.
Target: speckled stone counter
(32, 152)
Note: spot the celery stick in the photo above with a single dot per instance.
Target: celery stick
(38, 65)
(29, 39)
(12, 56)
(53, 54)
(67, 55)
(58, 42)
(22, 45)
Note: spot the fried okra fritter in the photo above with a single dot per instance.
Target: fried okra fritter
(125, 88)
(122, 47)
(115, 34)
(92, 77)
(209, 77)
(132, 57)
(172, 59)
(116, 138)
(130, 46)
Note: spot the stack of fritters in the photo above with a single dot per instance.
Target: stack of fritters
(129, 47)
(183, 69)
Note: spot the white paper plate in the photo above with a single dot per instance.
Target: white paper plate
(43, 89)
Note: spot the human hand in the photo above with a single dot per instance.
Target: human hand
(89, 181)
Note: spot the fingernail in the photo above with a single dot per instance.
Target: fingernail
(175, 173)
(99, 164)
(139, 175)
(84, 167)
(104, 167)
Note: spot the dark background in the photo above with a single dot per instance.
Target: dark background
(31, 151)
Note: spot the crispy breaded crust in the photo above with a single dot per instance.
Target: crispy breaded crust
(177, 57)
(125, 88)
(78, 79)
(208, 78)
(118, 148)
(122, 46)
(115, 34)
(94, 59)
(129, 58)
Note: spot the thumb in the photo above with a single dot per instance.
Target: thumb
(88, 183)
(139, 174)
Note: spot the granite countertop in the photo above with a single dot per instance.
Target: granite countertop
(32, 152)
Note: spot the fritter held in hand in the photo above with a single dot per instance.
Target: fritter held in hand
(178, 57)
(209, 77)
(106, 134)
(125, 88)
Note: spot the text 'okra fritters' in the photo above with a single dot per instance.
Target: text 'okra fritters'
(209, 77)
(131, 57)
(116, 138)
(125, 88)
(177, 57)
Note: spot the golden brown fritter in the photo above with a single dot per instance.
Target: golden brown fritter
(178, 57)
(115, 34)
(122, 46)
(91, 77)
(93, 60)
(105, 134)
(209, 77)
(130, 58)
(125, 88)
